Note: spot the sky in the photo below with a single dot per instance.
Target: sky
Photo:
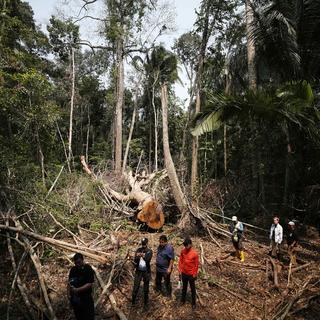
(184, 18)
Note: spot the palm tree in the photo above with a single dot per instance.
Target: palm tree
(165, 64)
(286, 34)
(290, 106)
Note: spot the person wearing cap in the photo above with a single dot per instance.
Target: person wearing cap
(142, 260)
(164, 265)
(292, 241)
(276, 235)
(236, 230)
(188, 270)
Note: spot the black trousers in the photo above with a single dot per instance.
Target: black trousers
(167, 282)
(139, 275)
(84, 310)
(238, 244)
(185, 280)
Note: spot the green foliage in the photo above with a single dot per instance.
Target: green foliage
(64, 35)
(162, 66)
(290, 102)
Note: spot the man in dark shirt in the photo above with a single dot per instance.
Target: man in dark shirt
(164, 264)
(292, 241)
(142, 260)
(81, 278)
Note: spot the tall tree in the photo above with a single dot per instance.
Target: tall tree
(251, 49)
(64, 36)
(123, 20)
(213, 14)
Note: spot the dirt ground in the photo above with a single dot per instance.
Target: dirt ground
(247, 292)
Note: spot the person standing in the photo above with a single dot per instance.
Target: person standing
(236, 229)
(292, 241)
(81, 278)
(164, 265)
(142, 260)
(276, 236)
(188, 270)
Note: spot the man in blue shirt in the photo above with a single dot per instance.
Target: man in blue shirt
(164, 264)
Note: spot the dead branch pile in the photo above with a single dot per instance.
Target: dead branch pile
(16, 230)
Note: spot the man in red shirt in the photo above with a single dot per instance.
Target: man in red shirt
(188, 270)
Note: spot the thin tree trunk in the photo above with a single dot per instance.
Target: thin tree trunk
(135, 107)
(150, 145)
(88, 135)
(195, 140)
(156, 120)
(71, 107)
(155, 132)
(64, 147)
(227, 91)
(251, 50)
(41, 158)
(182, 156)
(119, 104)
(171, 170)
(287, 170)
(225, 156)
(195, 147)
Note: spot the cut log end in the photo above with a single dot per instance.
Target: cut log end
(151, 214)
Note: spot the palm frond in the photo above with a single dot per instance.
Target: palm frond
(209, 123)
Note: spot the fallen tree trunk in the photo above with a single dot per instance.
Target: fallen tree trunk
(150, 210)
(88, 252)
(111, 297)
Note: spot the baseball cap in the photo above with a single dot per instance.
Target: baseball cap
(144, 241)
(234, 218)
(291, 223)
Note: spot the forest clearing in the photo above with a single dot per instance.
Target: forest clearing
(159, 159)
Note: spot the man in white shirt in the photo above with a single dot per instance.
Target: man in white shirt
(276, 236)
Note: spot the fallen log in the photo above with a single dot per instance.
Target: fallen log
(301, 267)
(20, 284)
(281, 315)
(88, 252)
(246, 265)
(150, 210)
(111, 298)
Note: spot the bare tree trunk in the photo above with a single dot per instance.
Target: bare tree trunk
(195, 140)
(155, 126)
(227, 91)
(119, 104)
(150, 145)
(287, 170)
(135, 107)
(225, 154)
(64, 147)
(171, 170)
(71, 107)
(251, 50)
(41, 158)
(195, 147)
(88, 134)
(182, 156)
